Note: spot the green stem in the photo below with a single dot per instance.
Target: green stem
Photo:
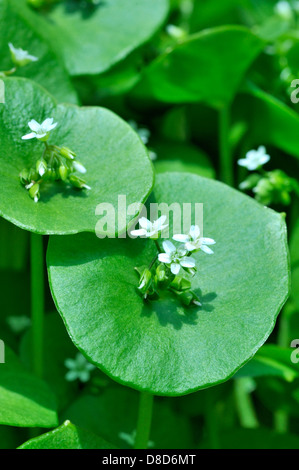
(157, 246)
(245, 407)
(226, 161)
(144, 420)
(211, 421)
(37, 302)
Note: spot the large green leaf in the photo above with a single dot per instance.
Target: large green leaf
(25, 399)
(207, 66)
(159, 346)
(117, 162)
(49, 70)
(67, 436)
(92, 39)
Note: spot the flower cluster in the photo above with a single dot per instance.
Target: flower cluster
(56, 163)
(173, 268)
(272, 187)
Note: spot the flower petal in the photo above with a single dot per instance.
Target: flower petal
(164, 258)
(194, 231)
(207, 250)
(175, 268)
(180, 237)
(34, 125)
(32, 135)
(188, 262)
(145, 223)
(139, 233)
(208, 241)
(168, 247)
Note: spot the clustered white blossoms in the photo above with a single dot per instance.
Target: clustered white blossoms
(79, 369)
(166, 275)
(56, 163)
(272, 187)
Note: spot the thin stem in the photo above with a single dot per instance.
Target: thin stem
(144, 420)
(6, 73)
(211, 421)
(37, 302)
(152, 262)
(226, 160)
(245, 405)
(157, 245)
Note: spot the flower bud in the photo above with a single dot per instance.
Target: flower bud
(41, 167)
(24, 176)
(145, 281)
(79, 167)
(180, 284)
(34, 192)
(67, 153)
(33, 175)
(78, 182)
(63, 172)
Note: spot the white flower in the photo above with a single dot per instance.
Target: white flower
(79, 368)
(149, 229)
(194, 242)
(284, 10)
(255, 158)
(175, 258)
(79, 167)
(20, 57)
(40, 131)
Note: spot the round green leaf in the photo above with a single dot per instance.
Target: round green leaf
(117, 162)
(25, 399)
(93, 38)
(207, 66)
(67, 436)
(48, 70)
(159, 346)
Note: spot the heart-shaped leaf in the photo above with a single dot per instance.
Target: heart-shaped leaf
(67, 436)
(207, 66)
(159, 346)
(48, 70)
(117, 162)
(25, 399)
(92, 38)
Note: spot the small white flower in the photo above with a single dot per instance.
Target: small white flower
(284, 10)
(175, 32)
(150, 229)
(20, 57)
(175, 258)
(40, 131)
(79, 368)
(255, 158)
(194, 242)
(79, 167)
